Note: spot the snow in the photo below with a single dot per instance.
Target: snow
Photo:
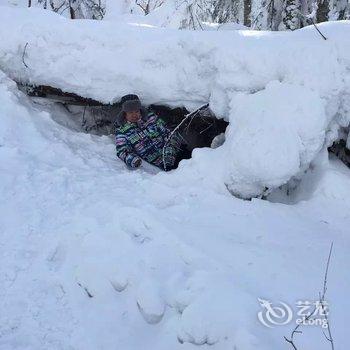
(299, 139)
(191, 68)
(95, 256)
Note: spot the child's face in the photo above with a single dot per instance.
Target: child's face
(133, 116)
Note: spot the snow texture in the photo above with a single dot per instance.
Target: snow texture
(95, 256)
(271, 87)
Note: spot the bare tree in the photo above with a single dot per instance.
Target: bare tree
(149, 5)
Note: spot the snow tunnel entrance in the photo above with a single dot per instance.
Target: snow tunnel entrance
(94, 117)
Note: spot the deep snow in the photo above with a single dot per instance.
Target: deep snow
(285, 88)
(94, 256)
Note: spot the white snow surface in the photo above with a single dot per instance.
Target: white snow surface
(283, 88)
(94, 256)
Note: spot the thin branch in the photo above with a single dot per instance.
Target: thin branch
(330, 337)
(208, 127)
(326, 273)
(24, 52)
(189, 124)
(86, 290)
(144, 7)
(192, 114)
(314, 24)
(291, 343)
(66, 8)
(321, 300)
(325, 335)
(54, 9)
(311, 20)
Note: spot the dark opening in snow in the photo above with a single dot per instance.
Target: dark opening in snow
(341, 151)
(198, 130)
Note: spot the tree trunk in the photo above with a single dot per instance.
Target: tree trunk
(247, 12)
(322, 11)
(71, 9)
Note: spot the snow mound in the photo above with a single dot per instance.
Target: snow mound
(283, 93)
(286, 125)
(94, 256)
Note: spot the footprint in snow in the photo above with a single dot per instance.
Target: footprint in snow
(149, 303)
(119, 282)
(136, 225)
(215, 316)
(56, 257)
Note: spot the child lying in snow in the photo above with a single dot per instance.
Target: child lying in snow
(144, 136)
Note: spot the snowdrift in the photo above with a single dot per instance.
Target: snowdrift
(284, 94)
(94, 256)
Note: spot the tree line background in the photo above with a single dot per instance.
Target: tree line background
(256, 14)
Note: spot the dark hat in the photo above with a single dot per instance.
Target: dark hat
(129, 97)
(129, 103)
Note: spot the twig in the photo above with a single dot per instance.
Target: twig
(326, 273)
(144, 8)
(54, 9)
(189, 124)
(177, 128)
(208, 127)
(86, 290)
(321, 300)
(66, 8)
(330, 337)
(314, 24)
(310, 19)
(24, 52)
(290, 341)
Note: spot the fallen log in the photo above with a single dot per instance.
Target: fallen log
(57, 95)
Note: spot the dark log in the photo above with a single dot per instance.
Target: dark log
(58, 95)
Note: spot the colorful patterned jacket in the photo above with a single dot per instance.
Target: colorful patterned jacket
(146, 140)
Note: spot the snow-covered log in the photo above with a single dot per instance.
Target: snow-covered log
(58, 95)
(281, 92)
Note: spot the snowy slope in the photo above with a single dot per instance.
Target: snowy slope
(94, 256)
